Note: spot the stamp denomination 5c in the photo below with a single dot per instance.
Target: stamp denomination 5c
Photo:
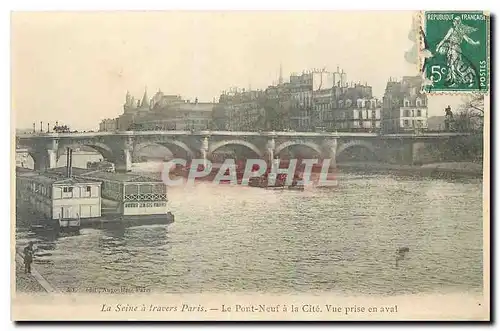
(458, 51)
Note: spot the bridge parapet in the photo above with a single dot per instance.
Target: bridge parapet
(45, 135)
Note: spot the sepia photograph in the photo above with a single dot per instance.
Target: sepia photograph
(250, 165)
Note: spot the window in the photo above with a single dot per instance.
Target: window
(406, 123)
(360, 114)
(87, 192)
(407, 113)
(374, 114)
(406, 103)
(418, 102)
(419, 113)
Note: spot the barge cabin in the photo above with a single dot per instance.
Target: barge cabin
(135, 195)
(127, 194)
(58, 197)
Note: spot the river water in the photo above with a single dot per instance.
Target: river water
(341, 239)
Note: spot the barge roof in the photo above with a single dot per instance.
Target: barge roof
(121, 177)
(55, 179)
(103, 175)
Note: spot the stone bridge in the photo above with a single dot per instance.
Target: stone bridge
(122, 148)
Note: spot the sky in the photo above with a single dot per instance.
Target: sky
(76, 68)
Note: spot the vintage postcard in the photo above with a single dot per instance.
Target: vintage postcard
(243, 166)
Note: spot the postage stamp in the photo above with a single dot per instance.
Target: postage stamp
(456, 51)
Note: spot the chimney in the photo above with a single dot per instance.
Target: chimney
(67, 161)
(70, 169)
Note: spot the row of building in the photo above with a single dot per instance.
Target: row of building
(310, 101)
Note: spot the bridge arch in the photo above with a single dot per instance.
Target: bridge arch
(356, 143)
(139, 147)
(215, 146)
(103, 149)
(290, 143)
(171, 142)
(31, 154)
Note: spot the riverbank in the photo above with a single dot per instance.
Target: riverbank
(26, 283)
(440, 170)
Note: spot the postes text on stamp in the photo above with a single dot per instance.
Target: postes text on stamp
(458, 43)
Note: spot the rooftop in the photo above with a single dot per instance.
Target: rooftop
(81, 175)
(75, 171)
(96, 174)
(53, 178)
(121, 177)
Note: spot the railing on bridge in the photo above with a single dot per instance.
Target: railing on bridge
(357, 133)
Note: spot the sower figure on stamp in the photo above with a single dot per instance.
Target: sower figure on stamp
(28, 257)
(458, 70)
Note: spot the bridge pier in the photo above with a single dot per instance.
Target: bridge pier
(330, 152)
(45, 160)
(45, 155)
(124, 162)
(52, 158)
(204, 151)
(271, 145)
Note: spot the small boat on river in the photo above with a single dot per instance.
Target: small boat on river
(279, 184)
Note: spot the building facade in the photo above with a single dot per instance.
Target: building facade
(108, 124)
(356, 114)
(319, 100)
(316, 100)
(404, 105)
(164, 112)
(239, 110)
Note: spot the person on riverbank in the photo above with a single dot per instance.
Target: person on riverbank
(28, 257)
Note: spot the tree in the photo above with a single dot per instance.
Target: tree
(276, 114)
(469, 118)
(219, 117)
(471, 114)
